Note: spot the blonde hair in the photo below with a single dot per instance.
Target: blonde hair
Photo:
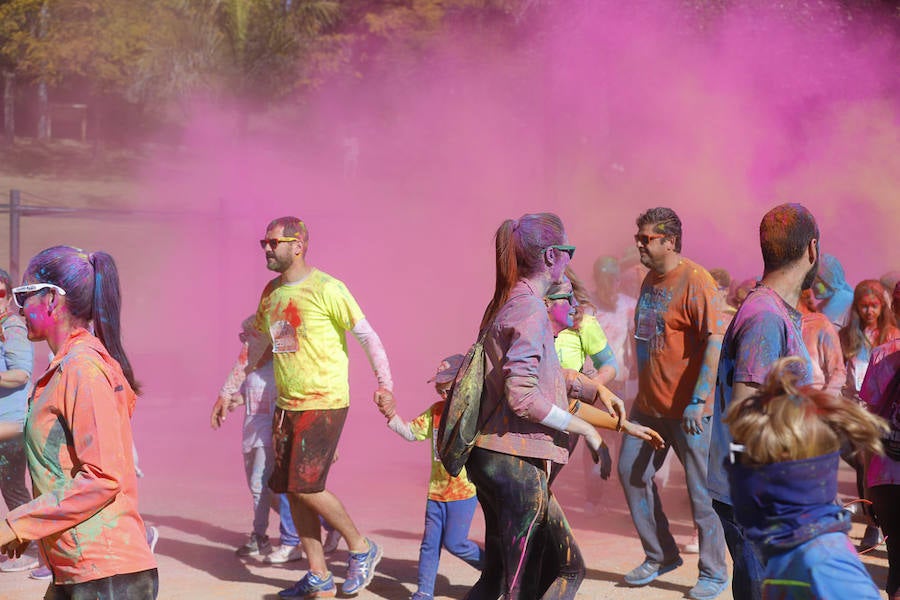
(785, 422)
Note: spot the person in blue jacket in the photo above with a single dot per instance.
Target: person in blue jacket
(783, 477)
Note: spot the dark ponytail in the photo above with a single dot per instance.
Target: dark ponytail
(92, 294)
(106, 311)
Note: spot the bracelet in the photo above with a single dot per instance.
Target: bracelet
(695, 400)
(575, 406)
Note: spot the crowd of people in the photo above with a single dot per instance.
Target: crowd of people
(758, 388)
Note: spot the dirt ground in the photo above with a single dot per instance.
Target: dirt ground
(194, 492)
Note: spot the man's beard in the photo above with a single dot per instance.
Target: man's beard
(810, 276)
(274, 264)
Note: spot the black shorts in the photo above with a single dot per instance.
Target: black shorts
(305, 442)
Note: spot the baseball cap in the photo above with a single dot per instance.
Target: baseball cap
(448, 369)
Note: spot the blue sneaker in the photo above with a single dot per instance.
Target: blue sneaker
(311, 586)
(707, 589)
(361, 569)
(648, 570)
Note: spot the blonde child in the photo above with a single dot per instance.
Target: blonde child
(783, 478)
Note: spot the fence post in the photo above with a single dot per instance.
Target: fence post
(15, 201)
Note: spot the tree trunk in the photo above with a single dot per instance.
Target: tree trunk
(43, 130)
(9, 106)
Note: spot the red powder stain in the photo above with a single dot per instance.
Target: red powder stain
(292, 315)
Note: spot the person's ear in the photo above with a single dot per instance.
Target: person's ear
(550, 257)
(813, 251)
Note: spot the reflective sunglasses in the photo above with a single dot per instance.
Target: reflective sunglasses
(570, 250)
(23, 292)
(644, 238)
(272, 243)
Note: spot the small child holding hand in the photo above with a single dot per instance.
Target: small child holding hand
(451, 500)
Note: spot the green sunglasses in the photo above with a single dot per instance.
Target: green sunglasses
(570, 250)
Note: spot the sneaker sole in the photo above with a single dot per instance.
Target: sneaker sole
(663, 569)
(318, 594)
(378, 553)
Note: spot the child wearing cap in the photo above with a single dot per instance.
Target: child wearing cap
(451, 500)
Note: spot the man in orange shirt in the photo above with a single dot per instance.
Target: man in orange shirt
(679, 324)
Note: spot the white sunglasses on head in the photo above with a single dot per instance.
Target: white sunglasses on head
(20, 294)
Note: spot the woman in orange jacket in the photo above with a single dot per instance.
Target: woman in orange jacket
(78, 435)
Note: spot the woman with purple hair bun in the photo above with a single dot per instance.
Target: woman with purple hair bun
(78, 435)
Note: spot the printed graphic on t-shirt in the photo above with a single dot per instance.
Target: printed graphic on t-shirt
(284, 337)
(650, 326)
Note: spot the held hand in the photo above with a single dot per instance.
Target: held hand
(384, 399)
(219, 411)
(646, 434)
(614, 406)
(692, 419)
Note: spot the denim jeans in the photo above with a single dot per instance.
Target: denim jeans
(749, 566)
(446, 524)
(638, 462)
(12, 472)
(143, 585)
(258, 464)
(522, 520)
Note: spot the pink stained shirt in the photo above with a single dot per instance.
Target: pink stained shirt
(79, 448)
(884, 362)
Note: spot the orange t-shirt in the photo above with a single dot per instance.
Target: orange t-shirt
(675, 315)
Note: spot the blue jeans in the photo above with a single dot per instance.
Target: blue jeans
(749, 569)
(638, 463)
(258, 464)
(446, 524)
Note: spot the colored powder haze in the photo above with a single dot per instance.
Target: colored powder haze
(598, 117)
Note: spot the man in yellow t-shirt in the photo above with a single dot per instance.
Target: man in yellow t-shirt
(303, 316)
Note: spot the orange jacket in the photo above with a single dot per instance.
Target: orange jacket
(79, 448)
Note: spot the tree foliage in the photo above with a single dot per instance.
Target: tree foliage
(156, 52)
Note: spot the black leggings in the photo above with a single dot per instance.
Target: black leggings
(143, 585)
(12, 472)
(886, 502)
(530, 551)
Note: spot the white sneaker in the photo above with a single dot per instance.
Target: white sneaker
(283, 554)
(693, 546)
(26, 562)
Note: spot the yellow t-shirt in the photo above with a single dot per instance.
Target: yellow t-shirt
(306, 323)
(574, 345)
(442, 487)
